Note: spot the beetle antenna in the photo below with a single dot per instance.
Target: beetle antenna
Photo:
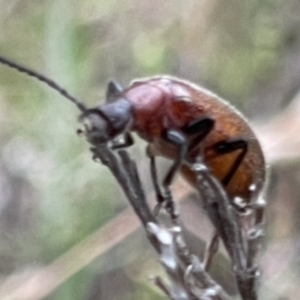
(44, 79)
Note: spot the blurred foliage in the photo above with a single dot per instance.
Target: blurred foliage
(52, 194)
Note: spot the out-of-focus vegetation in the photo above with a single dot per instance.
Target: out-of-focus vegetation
(52, 195)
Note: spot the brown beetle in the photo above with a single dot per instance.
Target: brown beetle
(181, 120)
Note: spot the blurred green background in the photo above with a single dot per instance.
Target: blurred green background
(52, 195)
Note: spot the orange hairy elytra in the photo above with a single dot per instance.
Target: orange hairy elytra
(162, 103)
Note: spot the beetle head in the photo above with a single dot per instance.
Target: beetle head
(104, 123)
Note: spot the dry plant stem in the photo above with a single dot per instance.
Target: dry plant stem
(128, 179)
(197, 269)
(191, 282)
(228, 223)
(254, 237)
(169, 243)
(211, 250)
(196, 275)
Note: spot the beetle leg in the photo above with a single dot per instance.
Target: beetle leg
(229, 146)
(178, 139)
(200, 128)
(159, 196)
(127, 141)
(223, 148)
(203, 128)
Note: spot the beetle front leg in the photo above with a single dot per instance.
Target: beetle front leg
(153, 169)
(177, 139)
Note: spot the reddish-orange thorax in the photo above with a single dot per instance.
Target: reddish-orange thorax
(161, 103)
